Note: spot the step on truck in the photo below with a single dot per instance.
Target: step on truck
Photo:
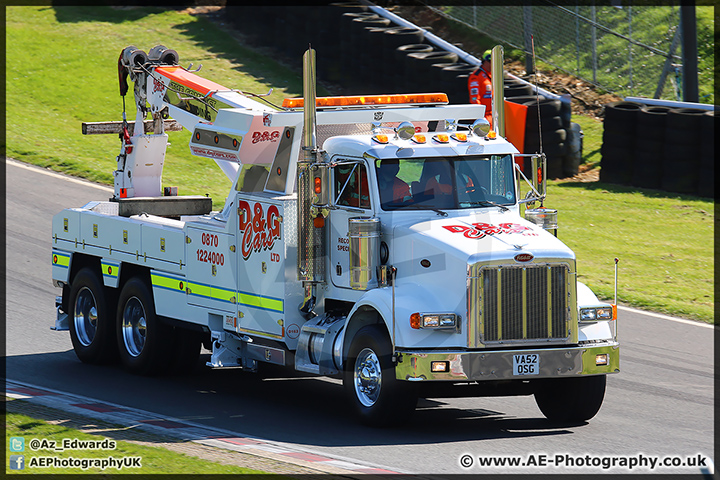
(378, 239)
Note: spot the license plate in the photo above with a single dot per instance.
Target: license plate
(526, 364)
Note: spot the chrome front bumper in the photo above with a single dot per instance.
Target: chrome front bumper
(498, 365)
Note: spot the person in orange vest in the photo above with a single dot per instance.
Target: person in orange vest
(480, 86)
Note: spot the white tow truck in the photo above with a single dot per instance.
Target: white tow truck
(374, 238)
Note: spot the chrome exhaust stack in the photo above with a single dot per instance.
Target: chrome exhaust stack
(498, 99)
(313, 180)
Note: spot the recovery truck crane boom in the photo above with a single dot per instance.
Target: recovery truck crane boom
(378, 239)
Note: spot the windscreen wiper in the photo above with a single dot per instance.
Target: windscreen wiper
(411, 206)
(488, 203)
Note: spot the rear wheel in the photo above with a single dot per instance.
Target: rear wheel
(377, 397)
(571, 399)
(91, 322)
(143, 341)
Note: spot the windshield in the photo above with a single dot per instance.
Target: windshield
(445, 182)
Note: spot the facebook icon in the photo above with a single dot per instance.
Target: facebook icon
(17, 462)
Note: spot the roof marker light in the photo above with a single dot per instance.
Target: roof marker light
(382, 138)
(363, 100)
(419, 138)
(442, 138)
(460, 137)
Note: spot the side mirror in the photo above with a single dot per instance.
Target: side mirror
(537, 181)
(538, 164)
(320, 180)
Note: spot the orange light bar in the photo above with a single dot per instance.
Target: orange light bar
(360, 100)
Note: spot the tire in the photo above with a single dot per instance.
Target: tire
(397, 36)
(526, 99)
(377, 397)
(646, 172)
(517, 90)
(616, 165)
(549, 137)
(91, 320)
(684, 120)
(143, 341)
(548, 124)
(549, 107)
(621, 113)
(570, 399)
(403, 51)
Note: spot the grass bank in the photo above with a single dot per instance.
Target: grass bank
(664, 241)
(129, 457)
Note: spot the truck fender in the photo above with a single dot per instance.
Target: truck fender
(585, 296)
(375, 307)
(366, 311)
(593, 331)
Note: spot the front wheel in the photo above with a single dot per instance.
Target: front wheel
(377, 397)
(143, 341)
(571, 399)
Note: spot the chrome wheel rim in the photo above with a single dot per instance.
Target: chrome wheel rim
(367, 377)
(85, 316)
(134, 326)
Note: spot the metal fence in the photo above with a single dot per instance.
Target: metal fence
(623, 49)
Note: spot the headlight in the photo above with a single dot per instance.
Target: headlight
(437, 321)
(594, 314)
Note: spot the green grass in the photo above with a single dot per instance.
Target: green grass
(592, 139)
(77, 81)
(74, 79)
(664, 244)
(153, 460)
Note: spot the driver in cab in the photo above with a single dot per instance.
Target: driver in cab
(392, 189)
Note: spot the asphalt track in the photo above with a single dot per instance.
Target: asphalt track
(660, 405)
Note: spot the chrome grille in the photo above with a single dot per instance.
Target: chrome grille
(523, 303)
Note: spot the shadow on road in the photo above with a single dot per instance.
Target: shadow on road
(274, 404)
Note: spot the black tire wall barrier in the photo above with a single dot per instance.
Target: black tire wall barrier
(659, 147)
(543, 122)
(365, 53)
(619, 142)
(706, 172)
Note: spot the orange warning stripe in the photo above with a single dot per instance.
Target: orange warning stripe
(189, 80)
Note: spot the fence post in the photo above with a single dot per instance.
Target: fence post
(668, 64)
(689, 53)
(593, 42)
(527, 33)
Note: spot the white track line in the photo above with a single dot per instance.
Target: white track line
(666, 317)
(50, 173)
